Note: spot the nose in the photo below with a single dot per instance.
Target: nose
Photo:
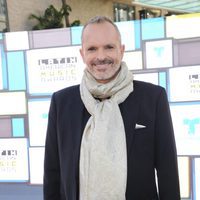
(101, 54)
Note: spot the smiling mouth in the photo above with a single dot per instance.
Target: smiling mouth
(102, 67)
(103, 62)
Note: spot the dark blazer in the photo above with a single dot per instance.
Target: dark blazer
(149, 148)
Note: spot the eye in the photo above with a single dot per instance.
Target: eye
(109, 47)
(91, 49)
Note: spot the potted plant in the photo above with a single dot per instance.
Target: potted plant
(53, 18)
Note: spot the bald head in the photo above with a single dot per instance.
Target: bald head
(100, 20)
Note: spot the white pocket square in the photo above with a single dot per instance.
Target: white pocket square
(139, 126)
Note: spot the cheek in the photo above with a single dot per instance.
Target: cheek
(117, 54)
(118, 57)
(91, 59)
(86, 58)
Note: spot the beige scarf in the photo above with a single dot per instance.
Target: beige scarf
(103, 156)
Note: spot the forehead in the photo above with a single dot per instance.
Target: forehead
(100, 32)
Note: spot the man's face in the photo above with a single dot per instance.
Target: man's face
(102, 51)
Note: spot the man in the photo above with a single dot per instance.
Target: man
(107, 137)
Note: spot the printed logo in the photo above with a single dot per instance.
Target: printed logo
(8, 160)
(191, 123)
(194, 80)
(58, 69)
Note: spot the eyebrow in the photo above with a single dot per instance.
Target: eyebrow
(106, 45)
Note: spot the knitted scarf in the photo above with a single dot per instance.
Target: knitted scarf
(103, 155)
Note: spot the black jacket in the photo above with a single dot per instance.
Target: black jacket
(149, 148)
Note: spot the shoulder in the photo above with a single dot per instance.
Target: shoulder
(148, 92)
(72, 90)
(144, 87)
(71, 93)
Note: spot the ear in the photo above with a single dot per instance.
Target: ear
(122, 50)
(82, 54)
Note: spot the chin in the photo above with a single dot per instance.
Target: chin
(105, 79)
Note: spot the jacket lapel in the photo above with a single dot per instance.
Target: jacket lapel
(129, 110)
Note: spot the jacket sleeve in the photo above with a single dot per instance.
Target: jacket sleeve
(165, 151)
(51, 181)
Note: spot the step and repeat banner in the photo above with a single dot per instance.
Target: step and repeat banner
(34, 64)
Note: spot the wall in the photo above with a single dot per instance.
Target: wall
(19, 11)
(85, 9)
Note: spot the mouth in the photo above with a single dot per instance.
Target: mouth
(102, 64)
